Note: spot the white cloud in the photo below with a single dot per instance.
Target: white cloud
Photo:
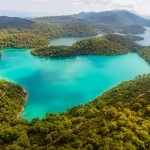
(42, 0)
(75, 6)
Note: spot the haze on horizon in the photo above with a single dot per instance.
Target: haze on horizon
(64, 7)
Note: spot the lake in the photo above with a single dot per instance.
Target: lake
(54, 85)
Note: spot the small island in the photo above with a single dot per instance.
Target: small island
(112, 44)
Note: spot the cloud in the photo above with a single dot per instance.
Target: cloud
(41, 0)
(89, 1)
(59, 7)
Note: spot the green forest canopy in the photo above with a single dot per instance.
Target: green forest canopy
(119, 119)
(22, 40)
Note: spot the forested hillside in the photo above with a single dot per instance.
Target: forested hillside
(107, 45)
(12, 101)
(69, 26)
(116, 20)
(48, 26)
(14, 22)
(145, 53)
(132, 29)
(119, 119)
(22, 33)
(22, 40)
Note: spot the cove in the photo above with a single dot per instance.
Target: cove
(54, 85)
(69, 41)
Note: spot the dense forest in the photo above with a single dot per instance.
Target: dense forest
(107, 45)
(22, 40)
(145, 53)
(119, 119)
(68, 26)
(71, 27)
(12, 100)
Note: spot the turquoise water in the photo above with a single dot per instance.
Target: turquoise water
(54, 85)
(57, 84)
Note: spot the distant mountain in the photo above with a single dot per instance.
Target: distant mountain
(61, 20)
(82, 24)
(14, 22)
(115, 18)
(50, 27)
(70, 25)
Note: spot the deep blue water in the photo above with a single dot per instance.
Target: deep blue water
(55, 85)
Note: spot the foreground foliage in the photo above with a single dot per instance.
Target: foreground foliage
(119, 119)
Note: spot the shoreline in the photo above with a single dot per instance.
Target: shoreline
(25, 100)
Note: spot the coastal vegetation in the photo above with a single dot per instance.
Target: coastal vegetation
(145, 53)
(12, 101)
(112, 44)
(119, 119)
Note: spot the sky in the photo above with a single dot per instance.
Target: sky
(65, 7)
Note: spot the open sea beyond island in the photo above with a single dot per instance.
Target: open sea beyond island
(56, 84)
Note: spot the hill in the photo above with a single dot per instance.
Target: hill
(118, 119)
(115, 19)
(14, 22)
(107, 45)
(48, 27)
(22, 40)
(70, 26)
